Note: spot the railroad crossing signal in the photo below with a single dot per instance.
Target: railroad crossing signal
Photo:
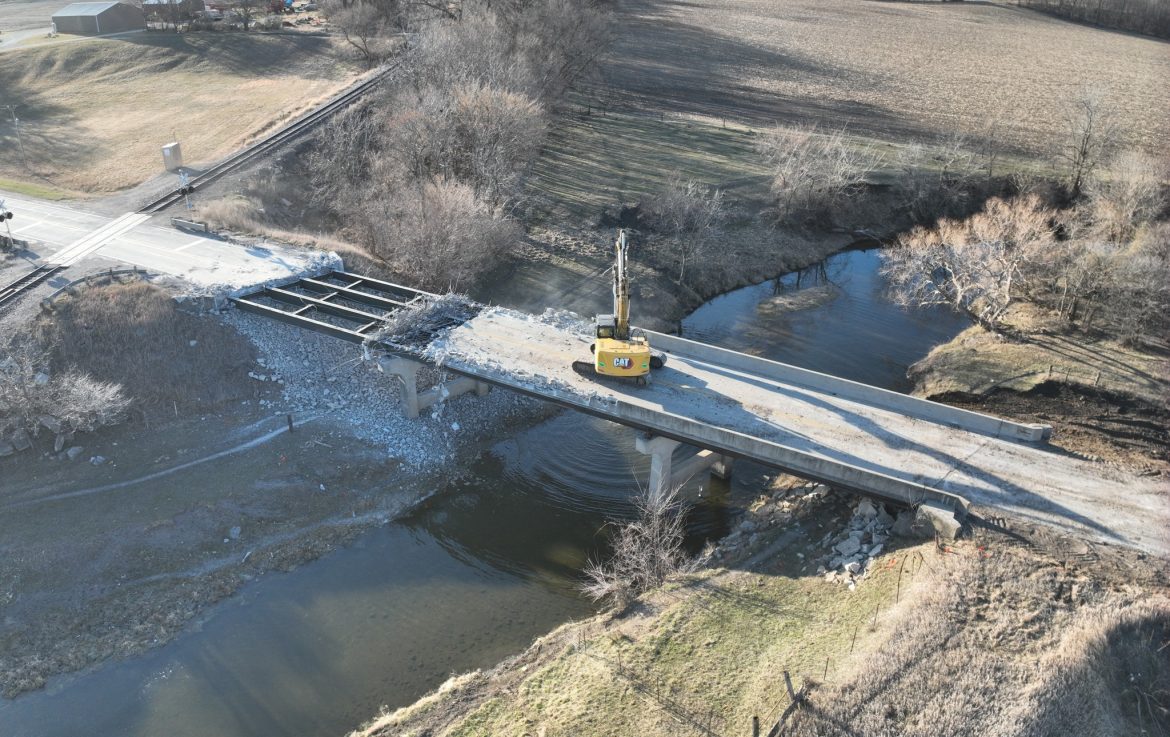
(186, 188)
(6, 215)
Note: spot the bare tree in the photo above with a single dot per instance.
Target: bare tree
(1091, 135)
(811, 171)
(1143, 16)
(438, 235)
(646, 552)
(477, 134)
(937, 181)
(1129, 195)
(247, 10)
(369, 27)
(71, 401)
(690, 215)
(978, 265)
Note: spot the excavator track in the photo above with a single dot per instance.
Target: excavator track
(585, 368)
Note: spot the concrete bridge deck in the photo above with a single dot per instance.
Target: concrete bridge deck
(845, 434)
(848, 435)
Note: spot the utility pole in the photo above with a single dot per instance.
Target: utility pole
(19, 140)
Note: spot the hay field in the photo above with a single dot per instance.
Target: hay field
(890, 72)
(95, 114)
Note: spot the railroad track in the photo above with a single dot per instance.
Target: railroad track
(285, 134)
(292, 130)
(28, 281)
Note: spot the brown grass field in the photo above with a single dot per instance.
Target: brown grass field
(95, 114)
(686, 84)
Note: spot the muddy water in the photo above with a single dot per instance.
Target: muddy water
(476, 573)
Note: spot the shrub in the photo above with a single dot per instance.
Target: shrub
(811, 172)
(690, 215)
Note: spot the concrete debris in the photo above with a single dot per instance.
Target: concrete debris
(97, 460)
(362, 397)
(74, 452)
(21, 440)
(907, 525)
(50, 423)
(416, 325)
(855, 547)
(866, 510)
(939, 520)
(848, 546)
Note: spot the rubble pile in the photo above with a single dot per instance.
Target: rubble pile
(415, 326)
(853, 550)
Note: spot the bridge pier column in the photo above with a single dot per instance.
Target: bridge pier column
(414, 401)
(661, 452)
(407, 371)
(722, 467)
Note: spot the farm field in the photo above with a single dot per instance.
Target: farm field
(94, 114)
(22, 15)
(686, 84)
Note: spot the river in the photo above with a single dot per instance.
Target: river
(471, 576)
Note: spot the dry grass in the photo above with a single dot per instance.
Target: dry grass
(1002, 644)
(977, 362)
(134, 335)
(687, 84)
(701, 656)
(989, 638)
(95, 114)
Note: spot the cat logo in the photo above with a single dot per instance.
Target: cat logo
(624, 363)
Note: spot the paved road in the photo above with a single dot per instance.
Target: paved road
(841, 430)
(68, 235)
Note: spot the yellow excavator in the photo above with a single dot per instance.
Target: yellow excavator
(619, 351)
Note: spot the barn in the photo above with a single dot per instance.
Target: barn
(91, 19)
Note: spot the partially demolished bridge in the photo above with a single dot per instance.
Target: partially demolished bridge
(733, 405)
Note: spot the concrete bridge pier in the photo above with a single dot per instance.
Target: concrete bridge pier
(665, 475)
(414, 401)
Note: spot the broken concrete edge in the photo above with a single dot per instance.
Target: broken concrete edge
(217, 298)
(923, 409)
(836, 474)
(943, 520)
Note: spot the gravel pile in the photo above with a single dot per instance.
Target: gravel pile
(322, 376)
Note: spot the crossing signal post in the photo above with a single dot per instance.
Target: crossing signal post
(6, 216)
(186, 189)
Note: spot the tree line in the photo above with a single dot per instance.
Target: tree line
(1151, 17)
